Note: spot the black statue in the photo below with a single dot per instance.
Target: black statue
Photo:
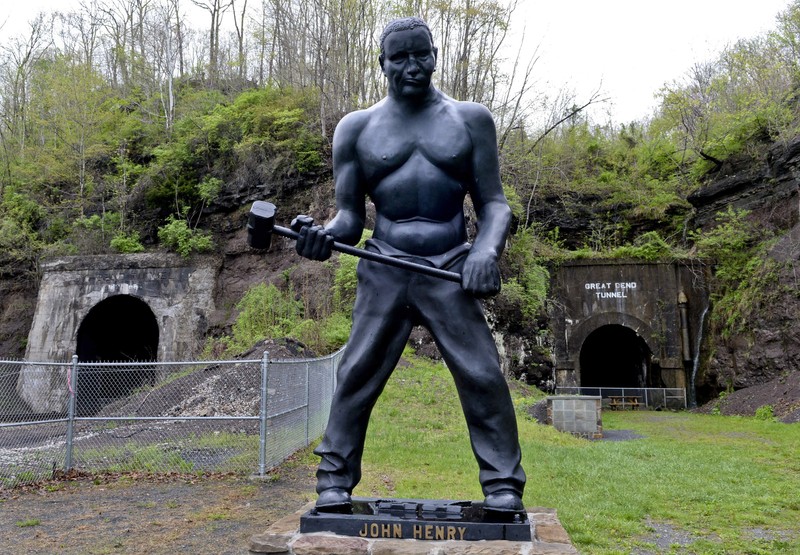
(416, 154)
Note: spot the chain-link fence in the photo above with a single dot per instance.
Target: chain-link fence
(243, 416)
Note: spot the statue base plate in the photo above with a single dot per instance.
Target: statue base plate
(419, 519)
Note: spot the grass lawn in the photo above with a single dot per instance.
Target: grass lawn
(693, 484)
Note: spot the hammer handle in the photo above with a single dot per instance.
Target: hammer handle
(382, 258)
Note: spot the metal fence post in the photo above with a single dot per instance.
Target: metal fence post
(72, 390)
(308, 400)
(334, 364)
(262, 451)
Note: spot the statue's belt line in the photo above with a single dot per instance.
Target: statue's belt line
(442, 261)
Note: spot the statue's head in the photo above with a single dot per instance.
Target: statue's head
(402, 24)
(408, 57)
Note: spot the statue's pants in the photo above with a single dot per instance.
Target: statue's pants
(389, 302)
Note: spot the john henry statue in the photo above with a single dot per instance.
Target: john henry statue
(417, 154)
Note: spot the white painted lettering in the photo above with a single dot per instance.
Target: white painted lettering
(597, 286)
(611, 295)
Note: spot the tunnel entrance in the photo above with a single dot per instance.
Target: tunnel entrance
(121, 328)
(615, 356)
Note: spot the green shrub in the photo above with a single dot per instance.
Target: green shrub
(176, 235)
(336, 329)
(345, 280)
(649, 246)
(127, 243)
(105, 222)
(18, 244)
(744, 276)
(531, 281)
(765, 412)
(266, 312)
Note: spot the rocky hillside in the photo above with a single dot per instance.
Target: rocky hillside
(768, 350)
(768, 347)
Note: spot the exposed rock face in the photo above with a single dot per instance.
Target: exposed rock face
(770, 346)
(768, 188)
(17, 304)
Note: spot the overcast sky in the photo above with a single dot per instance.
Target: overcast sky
(631, 47)
(634, 47)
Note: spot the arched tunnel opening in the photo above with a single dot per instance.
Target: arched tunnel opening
(121, 328)
(614, 356)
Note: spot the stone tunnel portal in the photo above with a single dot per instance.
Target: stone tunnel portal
(626, 323)
(614, 356)
(118, 329)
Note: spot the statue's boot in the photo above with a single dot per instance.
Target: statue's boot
(503, 501)
(334, 500)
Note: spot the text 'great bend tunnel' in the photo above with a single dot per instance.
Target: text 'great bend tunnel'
(614, 356)
(118, 329)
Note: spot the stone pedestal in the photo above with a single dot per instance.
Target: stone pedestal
(284, 538)
(419, 519)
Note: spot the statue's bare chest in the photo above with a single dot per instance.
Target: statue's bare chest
(418, 146)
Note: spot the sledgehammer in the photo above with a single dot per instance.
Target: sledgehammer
(261, 226)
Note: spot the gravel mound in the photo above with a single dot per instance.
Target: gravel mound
(782, 394)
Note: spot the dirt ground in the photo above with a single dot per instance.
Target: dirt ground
(113, 514)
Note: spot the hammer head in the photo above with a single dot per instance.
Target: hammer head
(260, 224)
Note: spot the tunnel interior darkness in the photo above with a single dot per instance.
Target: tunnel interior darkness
(117, 329)
(614, 356)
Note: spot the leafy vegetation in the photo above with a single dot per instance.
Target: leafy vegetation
(765, 412)
(345, 279)
(127, 243)
(266, 311)
(530, 279)
(178, 236)
(744, 276)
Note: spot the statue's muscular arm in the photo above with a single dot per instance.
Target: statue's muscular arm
(346, 227)
(481, 275)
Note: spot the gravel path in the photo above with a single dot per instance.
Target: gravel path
(86, 515)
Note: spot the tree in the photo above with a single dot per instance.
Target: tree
(216, 9)
(71, 115)
(20, 58)
(239, 24)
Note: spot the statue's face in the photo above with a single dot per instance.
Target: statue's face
(409, 61)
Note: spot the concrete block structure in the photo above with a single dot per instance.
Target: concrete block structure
(580, 415)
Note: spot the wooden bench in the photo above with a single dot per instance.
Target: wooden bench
(623, 401)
